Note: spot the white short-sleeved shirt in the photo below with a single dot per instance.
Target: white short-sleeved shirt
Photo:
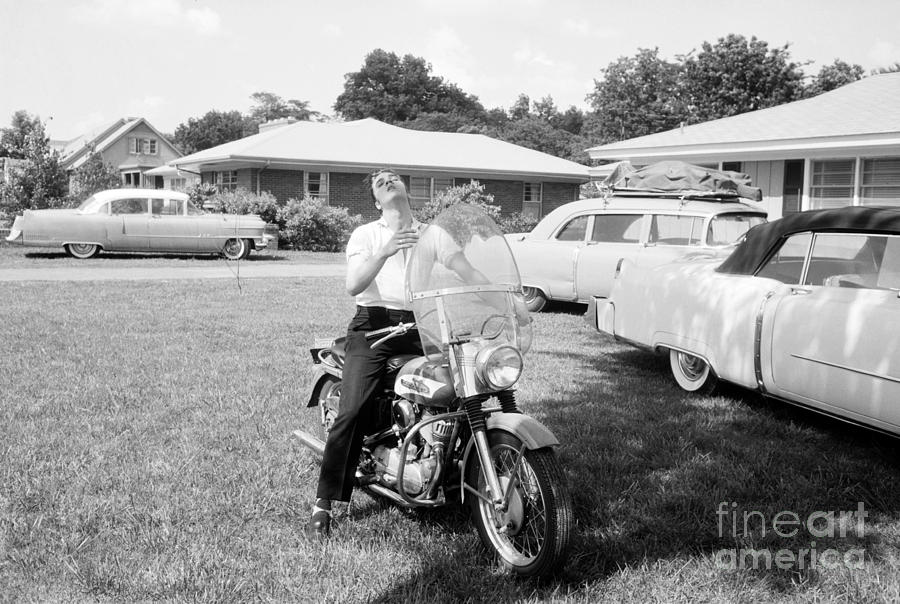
(388, 288)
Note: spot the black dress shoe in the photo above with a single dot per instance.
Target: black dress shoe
(319, 525)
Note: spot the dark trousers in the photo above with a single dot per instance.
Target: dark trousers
(364, 370)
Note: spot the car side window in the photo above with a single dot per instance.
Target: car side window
(855, 260)
(128, 206)
(574, 230)
(676, 230)
(193, 210)
(617, 228)
(786, 265)
(167, 207)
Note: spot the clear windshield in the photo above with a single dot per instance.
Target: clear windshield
(463, 283)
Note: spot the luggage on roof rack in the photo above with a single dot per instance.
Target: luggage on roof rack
(680, 179)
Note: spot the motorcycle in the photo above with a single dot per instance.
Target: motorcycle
(450, 430)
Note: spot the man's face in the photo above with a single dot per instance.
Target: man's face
(388, 188)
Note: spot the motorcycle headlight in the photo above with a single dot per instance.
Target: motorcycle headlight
(499, 366)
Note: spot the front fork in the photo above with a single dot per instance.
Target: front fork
(497, 497)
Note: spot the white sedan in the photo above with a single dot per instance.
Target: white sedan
(805, 310)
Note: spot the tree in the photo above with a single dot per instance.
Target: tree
(269, 106)
(737, 75)
(40, 182)
(214, 128)
(892, 68)
(396, 90)
(521, 109)
(636, 96)
(92, 176)
(538, 134)
(834, 76)
(13, 139)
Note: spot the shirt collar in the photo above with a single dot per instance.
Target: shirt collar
(415, 223)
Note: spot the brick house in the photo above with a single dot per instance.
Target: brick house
(330, 161)
(131, 145)
(836, 149)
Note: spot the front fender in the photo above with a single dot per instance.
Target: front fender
(532, 433)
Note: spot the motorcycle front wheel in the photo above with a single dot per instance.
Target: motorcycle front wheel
(531, 537)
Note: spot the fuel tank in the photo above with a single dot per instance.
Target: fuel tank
(426, 381)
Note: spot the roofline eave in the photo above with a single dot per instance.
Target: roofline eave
(292, 163)
(770, 149)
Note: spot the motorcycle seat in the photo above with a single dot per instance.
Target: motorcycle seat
(339, 352)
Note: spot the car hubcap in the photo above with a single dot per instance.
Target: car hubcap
(693, 367)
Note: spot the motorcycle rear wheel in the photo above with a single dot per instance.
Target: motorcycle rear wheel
(533, 536)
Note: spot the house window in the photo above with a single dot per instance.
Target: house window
(142, 146)
(832, 184)
(177, 183)
(880, 182)
(315, 185)
(423, 189)
(731, 166)
(225, 181)
(531, 199)
(131, 179)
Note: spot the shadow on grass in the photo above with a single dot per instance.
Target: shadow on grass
(659, 476)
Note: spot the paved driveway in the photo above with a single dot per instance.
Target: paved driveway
(219, 270)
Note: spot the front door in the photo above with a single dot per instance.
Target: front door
(792, 192)
(612, 238)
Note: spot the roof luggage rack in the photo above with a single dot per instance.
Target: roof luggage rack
(679, 180)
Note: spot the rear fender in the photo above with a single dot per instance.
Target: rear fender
(532, 433)
(325, 372)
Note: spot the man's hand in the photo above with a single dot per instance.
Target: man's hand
(401, 240)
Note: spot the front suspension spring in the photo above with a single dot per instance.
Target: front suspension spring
(507, 400)
(472, 405)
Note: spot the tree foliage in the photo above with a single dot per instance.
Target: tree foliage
(268, 106)
(395, 90)
(834, 76)
(214, 128)
(636, 96)
(737, 75)
(92, 176)
(40, 181)
(13, 140)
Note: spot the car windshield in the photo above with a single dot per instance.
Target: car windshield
(727, 229)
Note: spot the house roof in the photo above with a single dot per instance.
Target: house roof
(368, 143)
(76, 151)
(863, 115)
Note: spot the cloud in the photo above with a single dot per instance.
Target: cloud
(169, 14)
(449, 56)
(883, 54)
(528, 56)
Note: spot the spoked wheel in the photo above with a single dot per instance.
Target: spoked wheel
(82, 250)
(236, 249)
(692, 373)
(329, 397)
(531, 536)
(535, 300)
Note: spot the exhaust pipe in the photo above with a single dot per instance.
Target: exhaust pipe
(314, 443)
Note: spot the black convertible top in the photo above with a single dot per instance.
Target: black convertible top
(762, 240)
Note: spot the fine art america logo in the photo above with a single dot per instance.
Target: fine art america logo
(744, 524)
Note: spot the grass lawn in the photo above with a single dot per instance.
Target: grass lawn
(146, 455)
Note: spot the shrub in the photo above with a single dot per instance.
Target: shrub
(310, 224)
(200, 193)
(518, 223)
(242, 201)
(471, 193)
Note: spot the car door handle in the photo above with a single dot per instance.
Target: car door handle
(800, 291)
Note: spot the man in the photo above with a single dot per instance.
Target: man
(376, 262)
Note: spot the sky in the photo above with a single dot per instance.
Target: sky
(80, 64)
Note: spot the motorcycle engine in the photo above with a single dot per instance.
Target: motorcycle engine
(420, 462)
